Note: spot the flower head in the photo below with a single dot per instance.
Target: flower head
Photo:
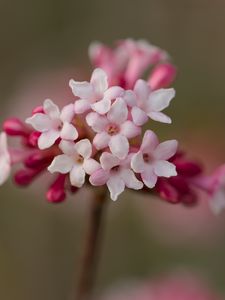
(5, 161)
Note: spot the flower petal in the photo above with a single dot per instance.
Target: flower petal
(5, 169)
(130, 180)
(149, 177)
(96, 121)
(129, 129)
(149, 142)
(130, 98)
(84, 148)
(166, 150)
(81, 106)
(40, 122)
(67, 113)
(164, 168)
(99, 81)
(77, 176)
(137, 162)
(114, 92)
(102, 106)
(119, 146)
(160, 99)
(217, 202)
(101, 140)
(51, 109)
(116, 186)
(62, 164)
(82, 89)
(47, 139)
(139, 116)
(118, 112)
(99, 177)
(108, 161)
(91, 165)
(160, 117)
(68, 132)
(142, 90)
(67, 147)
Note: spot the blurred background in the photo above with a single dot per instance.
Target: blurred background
(43, 45)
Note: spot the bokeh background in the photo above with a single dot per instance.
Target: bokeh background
(43, 44)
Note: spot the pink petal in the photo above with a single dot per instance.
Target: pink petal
(108, 161)
(114, 92)
(82, 89)
(101, 140)
(137, 162)
(68, 132)
(150, 141)
(119, 146)
(142, 90)
(149, 178)
(160, 117)
(62, 164)
(139, 116)
(67, 147)
(51, 109)
(84, 148)
(130, 179)
(81, 106)
(164, 168)
(166, 150)
(116, 186)
(160, 99)
(91, 165)
(99, 177)
(67, 113)
(47, 139)
(129, 129)
(99, 81)
(77, 176)
(102, 106)
(130, 98)
(118, 112)
(40, 122)
(96, 121)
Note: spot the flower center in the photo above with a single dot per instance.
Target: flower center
(147, 157)
(79, 159)
(112, 129)
(115, 169)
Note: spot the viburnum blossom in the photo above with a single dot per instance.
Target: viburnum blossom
(99, 138)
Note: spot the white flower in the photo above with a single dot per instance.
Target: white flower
(5, 161)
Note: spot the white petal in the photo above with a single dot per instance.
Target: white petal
(51, 109)
(96, 121)
(4, 146)
(99, 81)
(62, 164)
(40, 122)
(160, 117)
(217, 202)
(118, 112)
(82, 89)
(101, 140)
(91, 165)
(108, 161)
(67, 113)
(142, 90)
(149, 177)
(68, 132)
(67, 147)
(137, 162)
(164, 168)
(47, 139)
(99, 177)
(77, 176)
(116, 186)
(160, 99)
(139, 116)
(5, 169)
(84, 148)
(81, 106)
(119, 146)
(149, 142)
(130, 180)
(129, 129)
(166, 150)
(130, 98)
(114, 92)
(102, 106)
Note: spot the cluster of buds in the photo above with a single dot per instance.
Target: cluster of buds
(99, 139)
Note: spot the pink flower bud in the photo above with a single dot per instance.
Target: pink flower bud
(162, 76)
(26, 176)
(33, 139)
(14, 127)
(38, 159)
(38, 109)
(56, 192)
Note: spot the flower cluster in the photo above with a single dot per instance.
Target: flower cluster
(99, 139)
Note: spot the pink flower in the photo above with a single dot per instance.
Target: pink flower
(148, 104)
(94, 94)
(53, 125)
(162, 76)
(113, 130)
(152, 159)
(116, 174)
(5, 161)
(76, 160)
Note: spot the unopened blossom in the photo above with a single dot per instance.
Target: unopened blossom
(96, 94)
(5, 162)
(113, 130)
(116, 174)
(75, 160)
(151, 161)
(147, 104)
(162, 76)
(53, 124)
